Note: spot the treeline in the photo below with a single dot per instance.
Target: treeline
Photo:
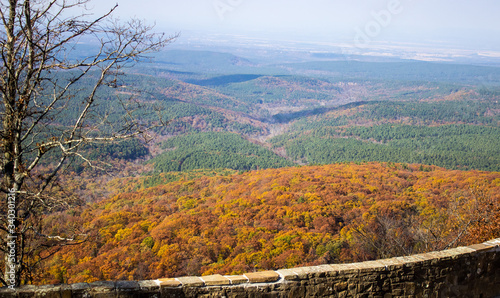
(182, 117)
(213, 150)
(129, 149)
(184, 108)
(466, 111)
(280, 89)
(155, 179)
(480, 112)
(102, 154)
(403, 71)
(450, 146)
(391, 132)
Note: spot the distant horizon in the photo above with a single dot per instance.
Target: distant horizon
(356, 26)
(430, 52)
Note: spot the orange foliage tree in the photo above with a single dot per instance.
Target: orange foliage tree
(279, 218)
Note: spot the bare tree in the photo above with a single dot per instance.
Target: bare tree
(41, 78)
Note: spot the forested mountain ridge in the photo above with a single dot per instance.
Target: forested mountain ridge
(215, 150)
(285, 109)
(358, 111)
(460, 134)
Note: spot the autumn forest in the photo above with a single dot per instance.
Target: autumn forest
(276, 218)
(261, 165)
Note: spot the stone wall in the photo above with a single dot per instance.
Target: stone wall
(472, 271)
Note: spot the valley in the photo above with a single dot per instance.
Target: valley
(280, 106)
(259, 165)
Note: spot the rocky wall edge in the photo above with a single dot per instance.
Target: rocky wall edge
(470, 271)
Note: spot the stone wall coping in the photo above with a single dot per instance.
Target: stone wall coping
(262, 277)
(191, 281)
(308, 272)
(278, 276)
(216, 280)
(237, 279)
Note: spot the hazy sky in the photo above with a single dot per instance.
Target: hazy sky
(460, 22)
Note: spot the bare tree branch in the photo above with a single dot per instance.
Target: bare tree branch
(40, 79)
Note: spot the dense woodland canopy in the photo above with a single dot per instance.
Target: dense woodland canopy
(277, 218)
(214, 151)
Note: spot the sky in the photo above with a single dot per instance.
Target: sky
(461, 23)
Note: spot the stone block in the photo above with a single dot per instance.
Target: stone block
(305, 272)
(324, 268)
(392, 263)
(80, 290)
(126, 284)
(237, 279)
(398, 292)
(455, 253)
(433, 255)
(336, 267)
(174, 292)
(494, 242)
(191, 281)
(288, 274)
(263, 276)
(102, 289)
(301, 272)
(22, 292)
(425, 257)
(66, 291)
(372, 266)
(48, 291)
(169, 282)
(9, 293)
(464, 250)
(352, 268)
(410, 288)
(440, 256)
(315, 271)
(215, 280)
(328, 270)
(408, 260)
(365, 286)
(449, 253)
(341, 286)
(481, 247)
(125, 288)
(419, 258)
(149, 288)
